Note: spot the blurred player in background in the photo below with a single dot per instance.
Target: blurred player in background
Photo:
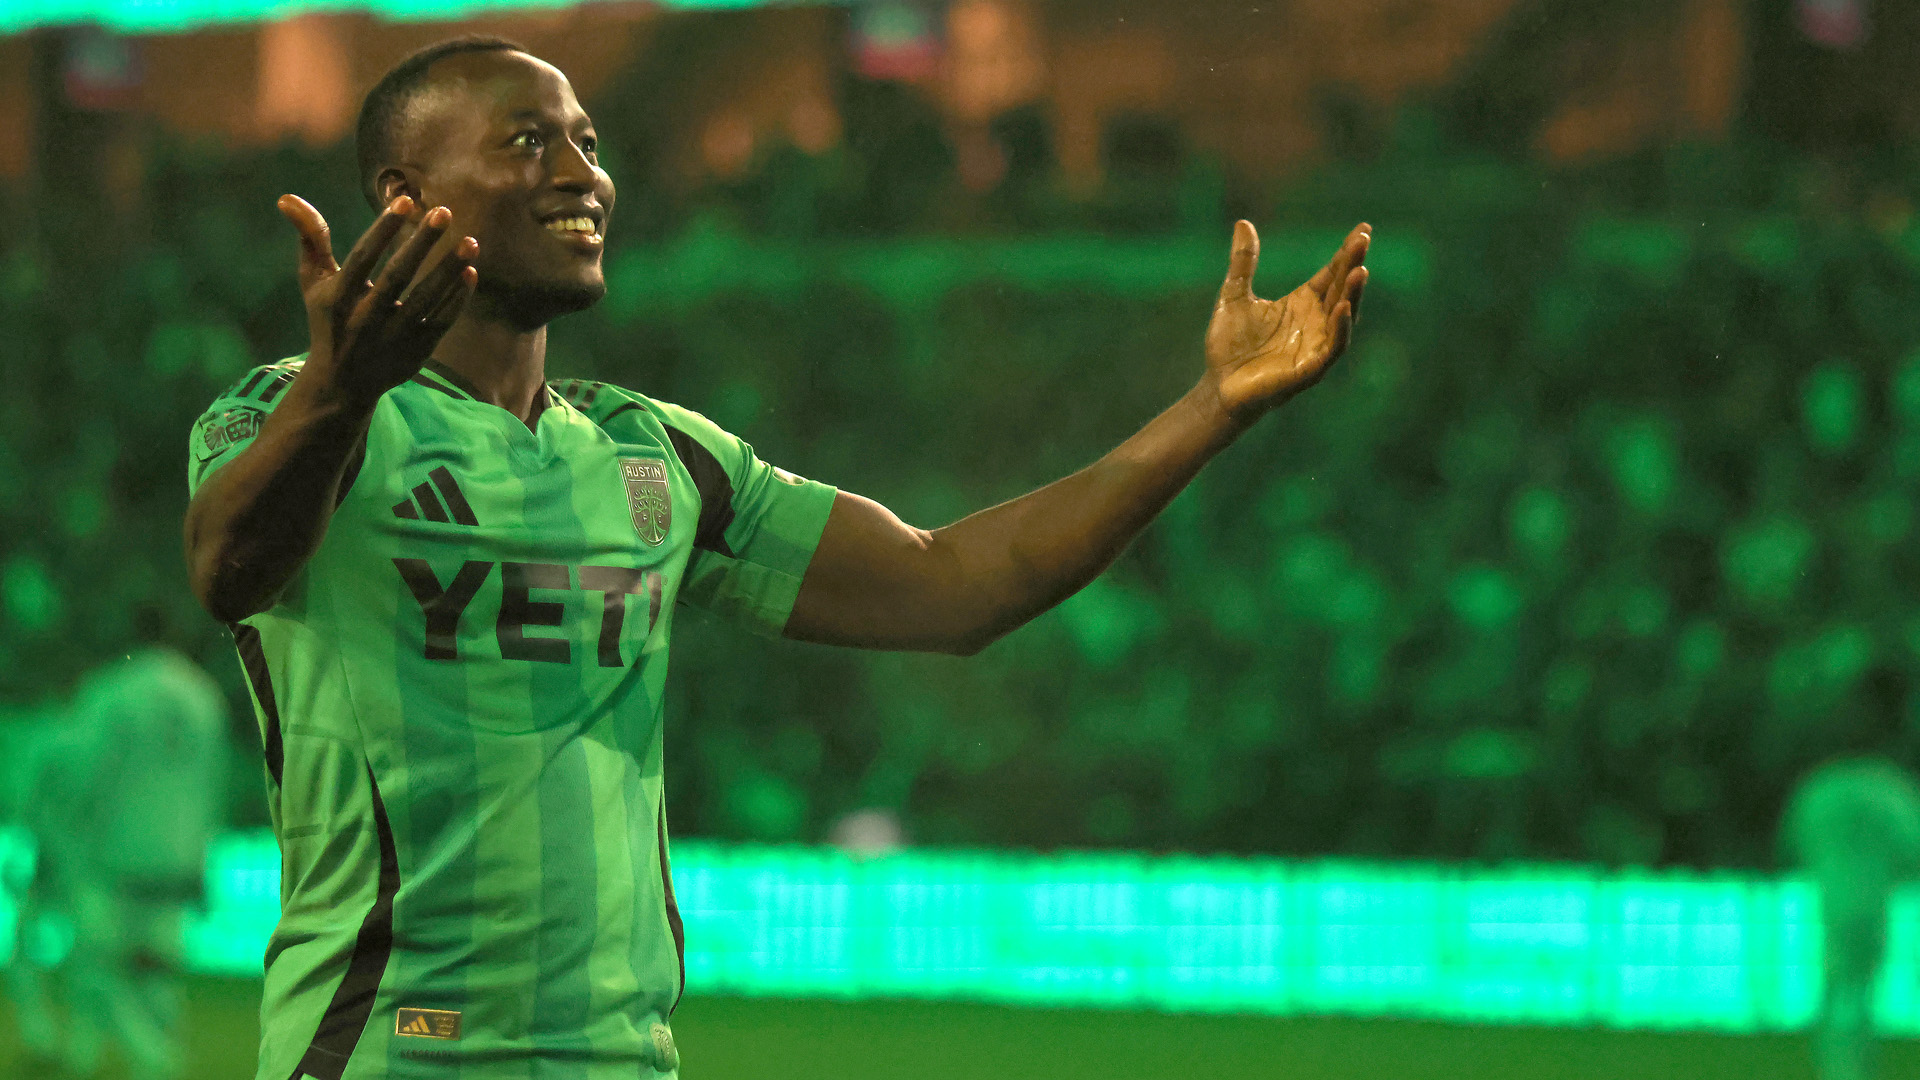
(1853, 826)
(121, 793)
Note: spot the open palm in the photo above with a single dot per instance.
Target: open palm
(1262, 352)
(376, 332)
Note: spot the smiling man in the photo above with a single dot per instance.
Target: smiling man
(451, 583)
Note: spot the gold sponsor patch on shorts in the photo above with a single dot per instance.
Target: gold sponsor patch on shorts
(427, 1023)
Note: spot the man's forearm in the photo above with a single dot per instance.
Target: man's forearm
(257, 520)
(879, 583)
(1020, 558)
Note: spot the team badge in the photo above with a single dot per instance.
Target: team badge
(648, 498)
(221, 430)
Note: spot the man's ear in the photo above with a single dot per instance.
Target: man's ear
(395, 182)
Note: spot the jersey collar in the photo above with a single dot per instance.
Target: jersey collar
(460, 386)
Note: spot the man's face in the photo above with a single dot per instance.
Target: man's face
(499, 139)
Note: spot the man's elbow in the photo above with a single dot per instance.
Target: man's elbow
(229, 609)
(229, 600)
(971, 642)
(221, 601)
(219, 589)
(966, 646)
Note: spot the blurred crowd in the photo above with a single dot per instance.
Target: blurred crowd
(1600, 538)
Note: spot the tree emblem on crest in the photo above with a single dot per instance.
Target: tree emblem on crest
(648, 497)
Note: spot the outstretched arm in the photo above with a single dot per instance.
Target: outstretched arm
(876, 582)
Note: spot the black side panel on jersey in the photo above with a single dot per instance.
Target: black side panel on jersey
(346, 1016)
(673, 909)
(253, 658)
(716, 491)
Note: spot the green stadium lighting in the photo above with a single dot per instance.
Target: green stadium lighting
(173, 16)
(1528, 944)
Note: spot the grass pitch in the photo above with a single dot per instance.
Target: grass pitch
(763, 1039)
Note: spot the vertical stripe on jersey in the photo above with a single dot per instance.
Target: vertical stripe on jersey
(439, 759)
(643, 916)
(630, 924)
(569, 862)
(569, 899)
(346, 1015)
(634, 921)
(635, 918)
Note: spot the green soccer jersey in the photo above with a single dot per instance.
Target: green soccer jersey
(459, 698)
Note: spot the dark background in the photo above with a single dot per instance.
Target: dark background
(1602, 535)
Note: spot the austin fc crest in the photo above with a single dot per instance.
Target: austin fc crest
(648, 498)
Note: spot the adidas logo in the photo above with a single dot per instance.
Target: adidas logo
(424, 503)
(427, 1023)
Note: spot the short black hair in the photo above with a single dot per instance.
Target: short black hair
(380, 112)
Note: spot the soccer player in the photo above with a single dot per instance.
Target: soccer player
(122, 790)
(452, 583)
(1854, 826)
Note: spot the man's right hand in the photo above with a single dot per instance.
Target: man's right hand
(370, 335)
(255, 521)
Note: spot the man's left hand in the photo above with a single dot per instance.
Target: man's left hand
(1262, 352)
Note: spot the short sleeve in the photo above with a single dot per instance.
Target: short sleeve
(232, 422)
(758, 528)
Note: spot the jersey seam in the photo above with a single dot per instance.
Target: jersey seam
(353, 706)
